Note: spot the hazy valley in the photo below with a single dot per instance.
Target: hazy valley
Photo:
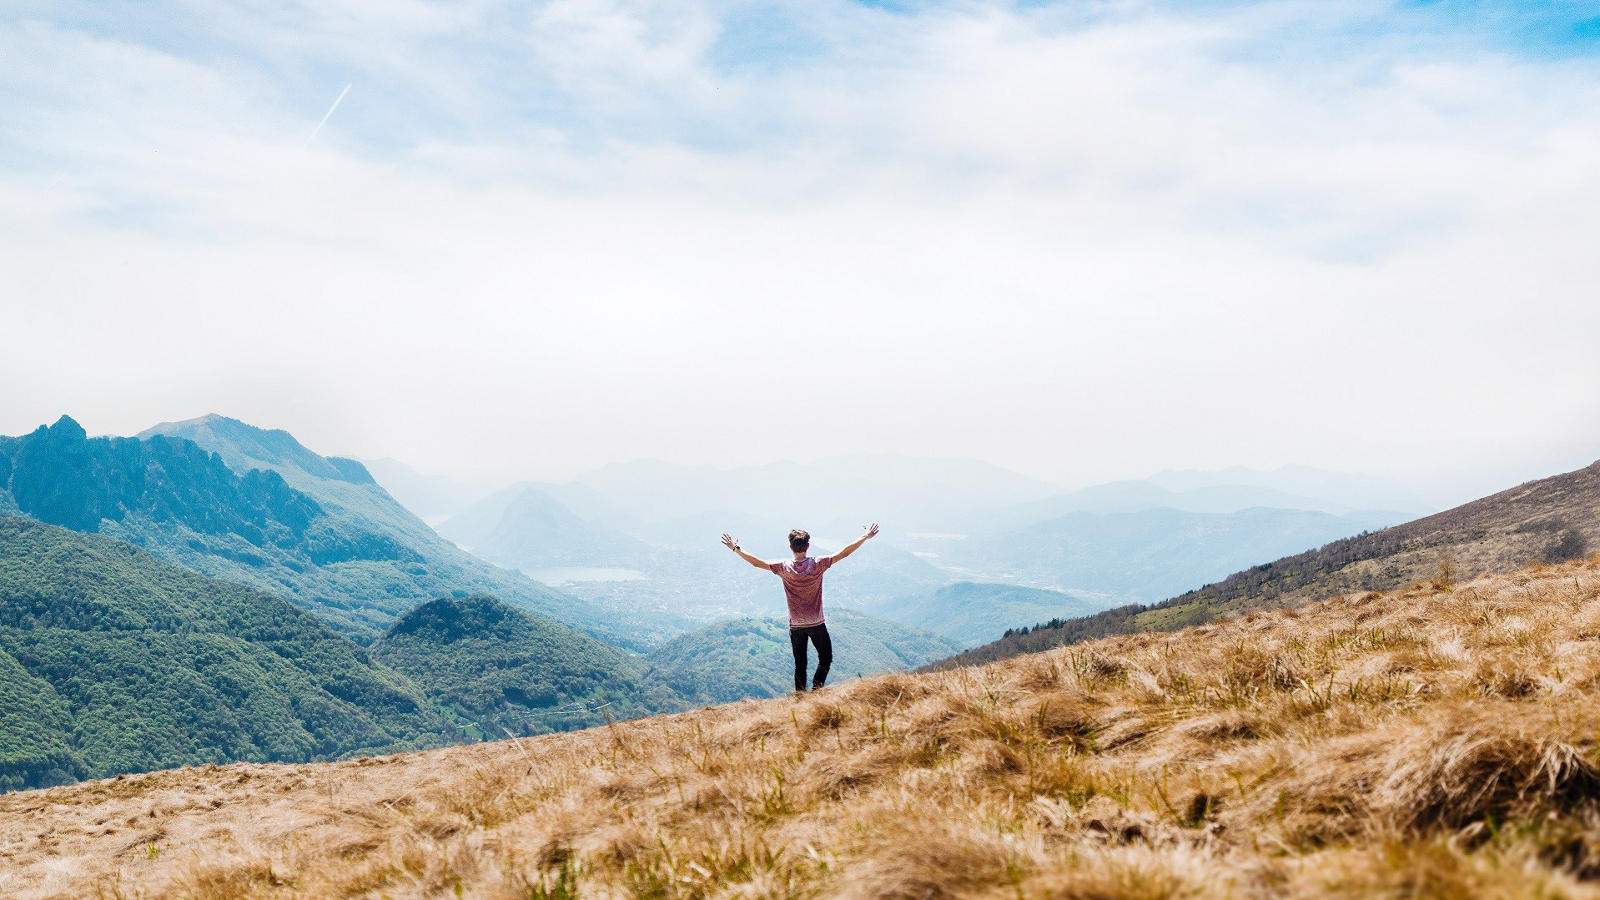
(639, 539)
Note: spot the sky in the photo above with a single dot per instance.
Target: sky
(1083, 240)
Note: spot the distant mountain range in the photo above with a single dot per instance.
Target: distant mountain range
(1335, 492)
(524, 527)
(946, 522)
(433, 498)
(1137, 496)
(829, 496)
(1549, 520)
(915, 494)
(1148, 553)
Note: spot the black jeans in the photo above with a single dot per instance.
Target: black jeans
(818, 635)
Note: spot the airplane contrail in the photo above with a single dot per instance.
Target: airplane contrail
(336, 101)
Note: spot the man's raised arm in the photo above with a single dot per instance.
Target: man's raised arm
(866, 533)
(732, 543)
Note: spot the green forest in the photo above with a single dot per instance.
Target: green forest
(113, 661)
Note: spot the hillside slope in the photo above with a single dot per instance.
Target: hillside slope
(1425, 743)
(1548, 520)
(113, 661)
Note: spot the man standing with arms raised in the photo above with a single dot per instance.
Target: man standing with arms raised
(802, 586)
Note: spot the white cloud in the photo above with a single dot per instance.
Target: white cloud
(543, 237)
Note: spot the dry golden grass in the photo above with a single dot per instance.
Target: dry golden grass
(1439, 741)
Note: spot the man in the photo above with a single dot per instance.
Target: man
(802, 587)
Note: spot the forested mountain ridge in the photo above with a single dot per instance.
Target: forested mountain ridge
(185, 505)
(349, 495)
(56, 474)
(114, 661)
(316, 530)
(1549, 520)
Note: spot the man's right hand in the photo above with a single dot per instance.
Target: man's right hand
(731, 542)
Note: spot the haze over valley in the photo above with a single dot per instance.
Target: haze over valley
(639, 538)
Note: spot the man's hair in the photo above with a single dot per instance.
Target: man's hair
(799, 541)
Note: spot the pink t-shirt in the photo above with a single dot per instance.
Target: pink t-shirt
(802, 585)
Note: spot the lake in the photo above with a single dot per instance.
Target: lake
(568, 574)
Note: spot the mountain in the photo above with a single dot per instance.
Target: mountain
(1427, 743)
(1135, 496)
(388, 559)
(524, 527)
(113, 661)
(1145, 555)
(1335, 492)
(433, 498)
(185, 505)
(752, 657)
(971, 480)
(1222, 491)
(1549, 520)
(970, 613)
(501, 669)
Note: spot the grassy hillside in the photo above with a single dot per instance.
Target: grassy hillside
(752, 657)
(1424, 743)
(374, 587)
(503, 670)
(113, 661)
(1549, 520)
